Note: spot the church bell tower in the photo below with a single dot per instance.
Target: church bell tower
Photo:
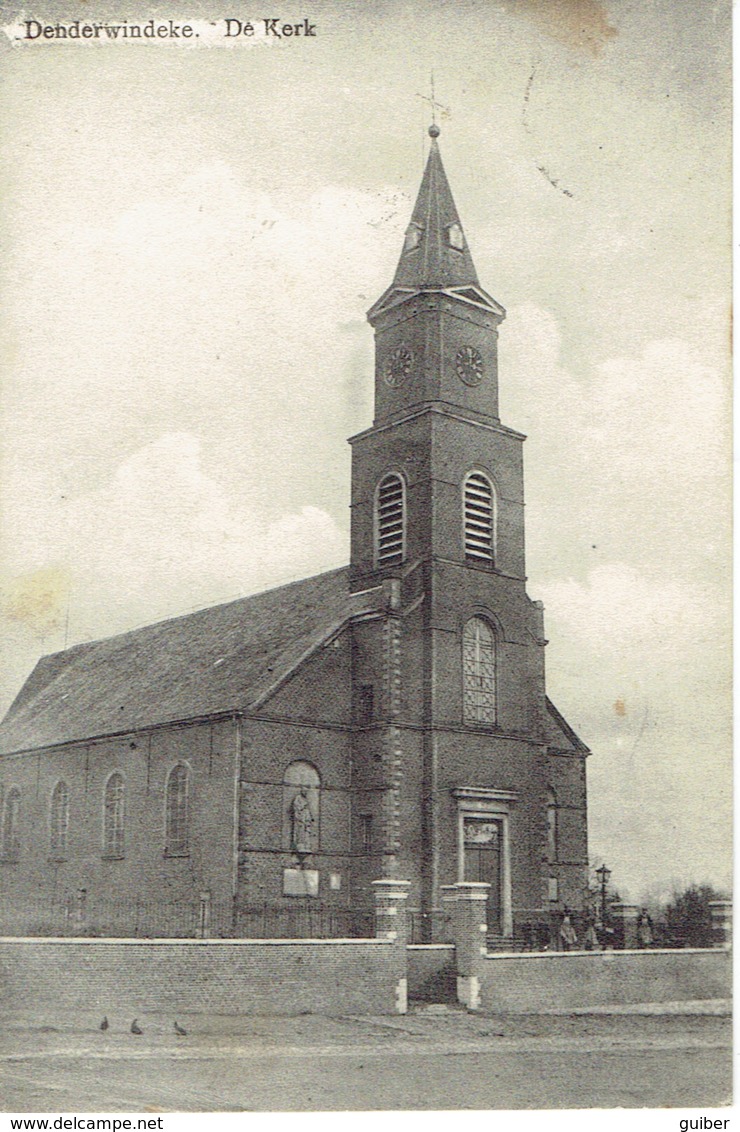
(460, 739)
(436, 408)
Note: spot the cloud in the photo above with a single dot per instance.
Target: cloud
(208, 308)
(164, 521)
(641, 441)
(161, 537)
(627, 493)
(619, 604)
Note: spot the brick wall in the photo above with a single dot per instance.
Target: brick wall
(144, 871)
(53, 980)
(566, 777)
(524, 983)
(268, 748)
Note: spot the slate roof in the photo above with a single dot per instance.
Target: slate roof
(221, 659)
(216, 660)
(434, 262)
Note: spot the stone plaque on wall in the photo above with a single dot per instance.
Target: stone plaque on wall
(300, 882)
(479, 832)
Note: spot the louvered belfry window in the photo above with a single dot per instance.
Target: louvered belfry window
(479, 672)
(390, 521)
(479, 514)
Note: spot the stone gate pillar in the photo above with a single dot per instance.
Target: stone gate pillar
(466, 901)
(391, 919)
(391, 922)
(625, 916)
(721, 912)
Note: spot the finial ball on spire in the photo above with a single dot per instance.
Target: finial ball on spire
(434, 130)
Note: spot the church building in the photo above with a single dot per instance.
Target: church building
(387, 719)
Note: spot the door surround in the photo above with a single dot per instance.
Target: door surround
(482, 802)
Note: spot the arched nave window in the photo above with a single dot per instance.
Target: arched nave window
(10, 825)
(59, 820)
(113, 816)
(177, 812)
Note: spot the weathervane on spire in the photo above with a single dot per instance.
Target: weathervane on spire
(434, 128)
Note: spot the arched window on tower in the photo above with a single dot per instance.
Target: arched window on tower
(390, 521)
(479, 672)
(552, 826)
(59, 821)
(10, 826)
(479, 519)
(113, 816)
(177, 815)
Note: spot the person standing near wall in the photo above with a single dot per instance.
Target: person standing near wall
(568, 936)
(644, 929)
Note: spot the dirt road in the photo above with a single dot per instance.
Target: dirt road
(433, 1061)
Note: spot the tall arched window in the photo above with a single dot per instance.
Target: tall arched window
(552, 826)
(10, 826)
(479, 519)
(113, 816)
(177, 817)
(390, 521)
(479, 672)
(59, 820)
(301, 807)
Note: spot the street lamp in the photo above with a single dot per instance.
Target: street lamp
(603, 874)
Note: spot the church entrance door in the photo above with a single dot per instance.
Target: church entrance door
(483, 840)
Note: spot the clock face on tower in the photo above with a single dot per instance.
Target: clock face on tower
(398, 366)
(469, 365)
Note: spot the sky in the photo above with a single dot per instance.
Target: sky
(191, 236)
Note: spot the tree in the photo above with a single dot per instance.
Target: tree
(688, 916)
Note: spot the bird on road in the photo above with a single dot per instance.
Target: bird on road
(104, 1024)
(135, 1029)
(180, 1031)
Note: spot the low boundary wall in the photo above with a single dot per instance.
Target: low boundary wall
(531, 983)
(53, 978)
(83, 979)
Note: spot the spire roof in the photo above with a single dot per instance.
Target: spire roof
(435, 252)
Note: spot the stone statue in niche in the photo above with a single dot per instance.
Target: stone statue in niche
(302, 822)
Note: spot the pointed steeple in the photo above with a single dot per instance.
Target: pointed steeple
(435, 326)
(435, 252)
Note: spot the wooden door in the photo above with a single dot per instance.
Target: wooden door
(483, 862)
